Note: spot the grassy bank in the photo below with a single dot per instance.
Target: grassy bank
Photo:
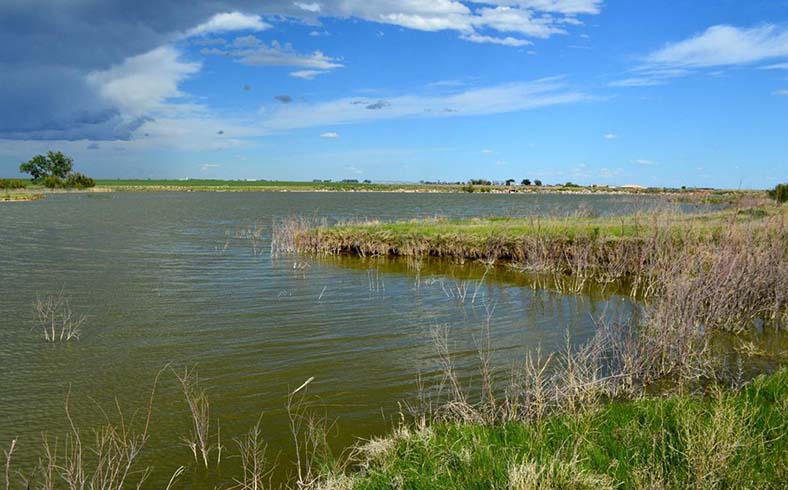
(20, 195)
(724, 440)
(707, 195)
(634, 249)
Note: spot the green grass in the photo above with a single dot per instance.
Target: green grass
(434, 233)
(726, 440)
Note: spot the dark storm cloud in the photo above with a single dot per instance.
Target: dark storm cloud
(49, 47)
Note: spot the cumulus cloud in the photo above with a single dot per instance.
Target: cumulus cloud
(313, 7)
(518, 20)
(141, 84)
(610, 136)
(101, 69)
(330, 135)
(229, 21)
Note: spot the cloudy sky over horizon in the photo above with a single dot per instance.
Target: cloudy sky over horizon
(611, 92)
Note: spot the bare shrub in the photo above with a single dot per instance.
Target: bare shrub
(109, 462)
(252, 449)
(200, 410)
(56, 320)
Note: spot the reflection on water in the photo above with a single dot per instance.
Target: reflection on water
(187, 279)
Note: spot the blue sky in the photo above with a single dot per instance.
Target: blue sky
(596, 92)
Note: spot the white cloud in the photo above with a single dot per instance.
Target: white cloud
(569, 7)
(503, 41)
(510, 97)
(781, 92)
(776, 66)
(208, 166)
(650, 77)
(251, 51)
(521, 21)
(723, 45)
(641, 161)
(534, 18)
(487, 151)
(330, 135)
(229, 21)
(141, 84)
(309, 7)
(307, 74)
(610, 136)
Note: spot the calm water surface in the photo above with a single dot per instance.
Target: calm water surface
(175, 278)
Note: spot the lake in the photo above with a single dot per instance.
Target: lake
(188, 279)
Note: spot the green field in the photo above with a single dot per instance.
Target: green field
(260, 185)
(338, 186)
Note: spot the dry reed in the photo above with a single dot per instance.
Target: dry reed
(200, 410)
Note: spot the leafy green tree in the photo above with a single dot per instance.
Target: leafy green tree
(526, 182)
(510, 182)
(537, 182)
(54, 164)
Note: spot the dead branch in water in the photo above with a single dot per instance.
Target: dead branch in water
(56, 319)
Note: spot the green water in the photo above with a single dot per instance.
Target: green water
(175, 278)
